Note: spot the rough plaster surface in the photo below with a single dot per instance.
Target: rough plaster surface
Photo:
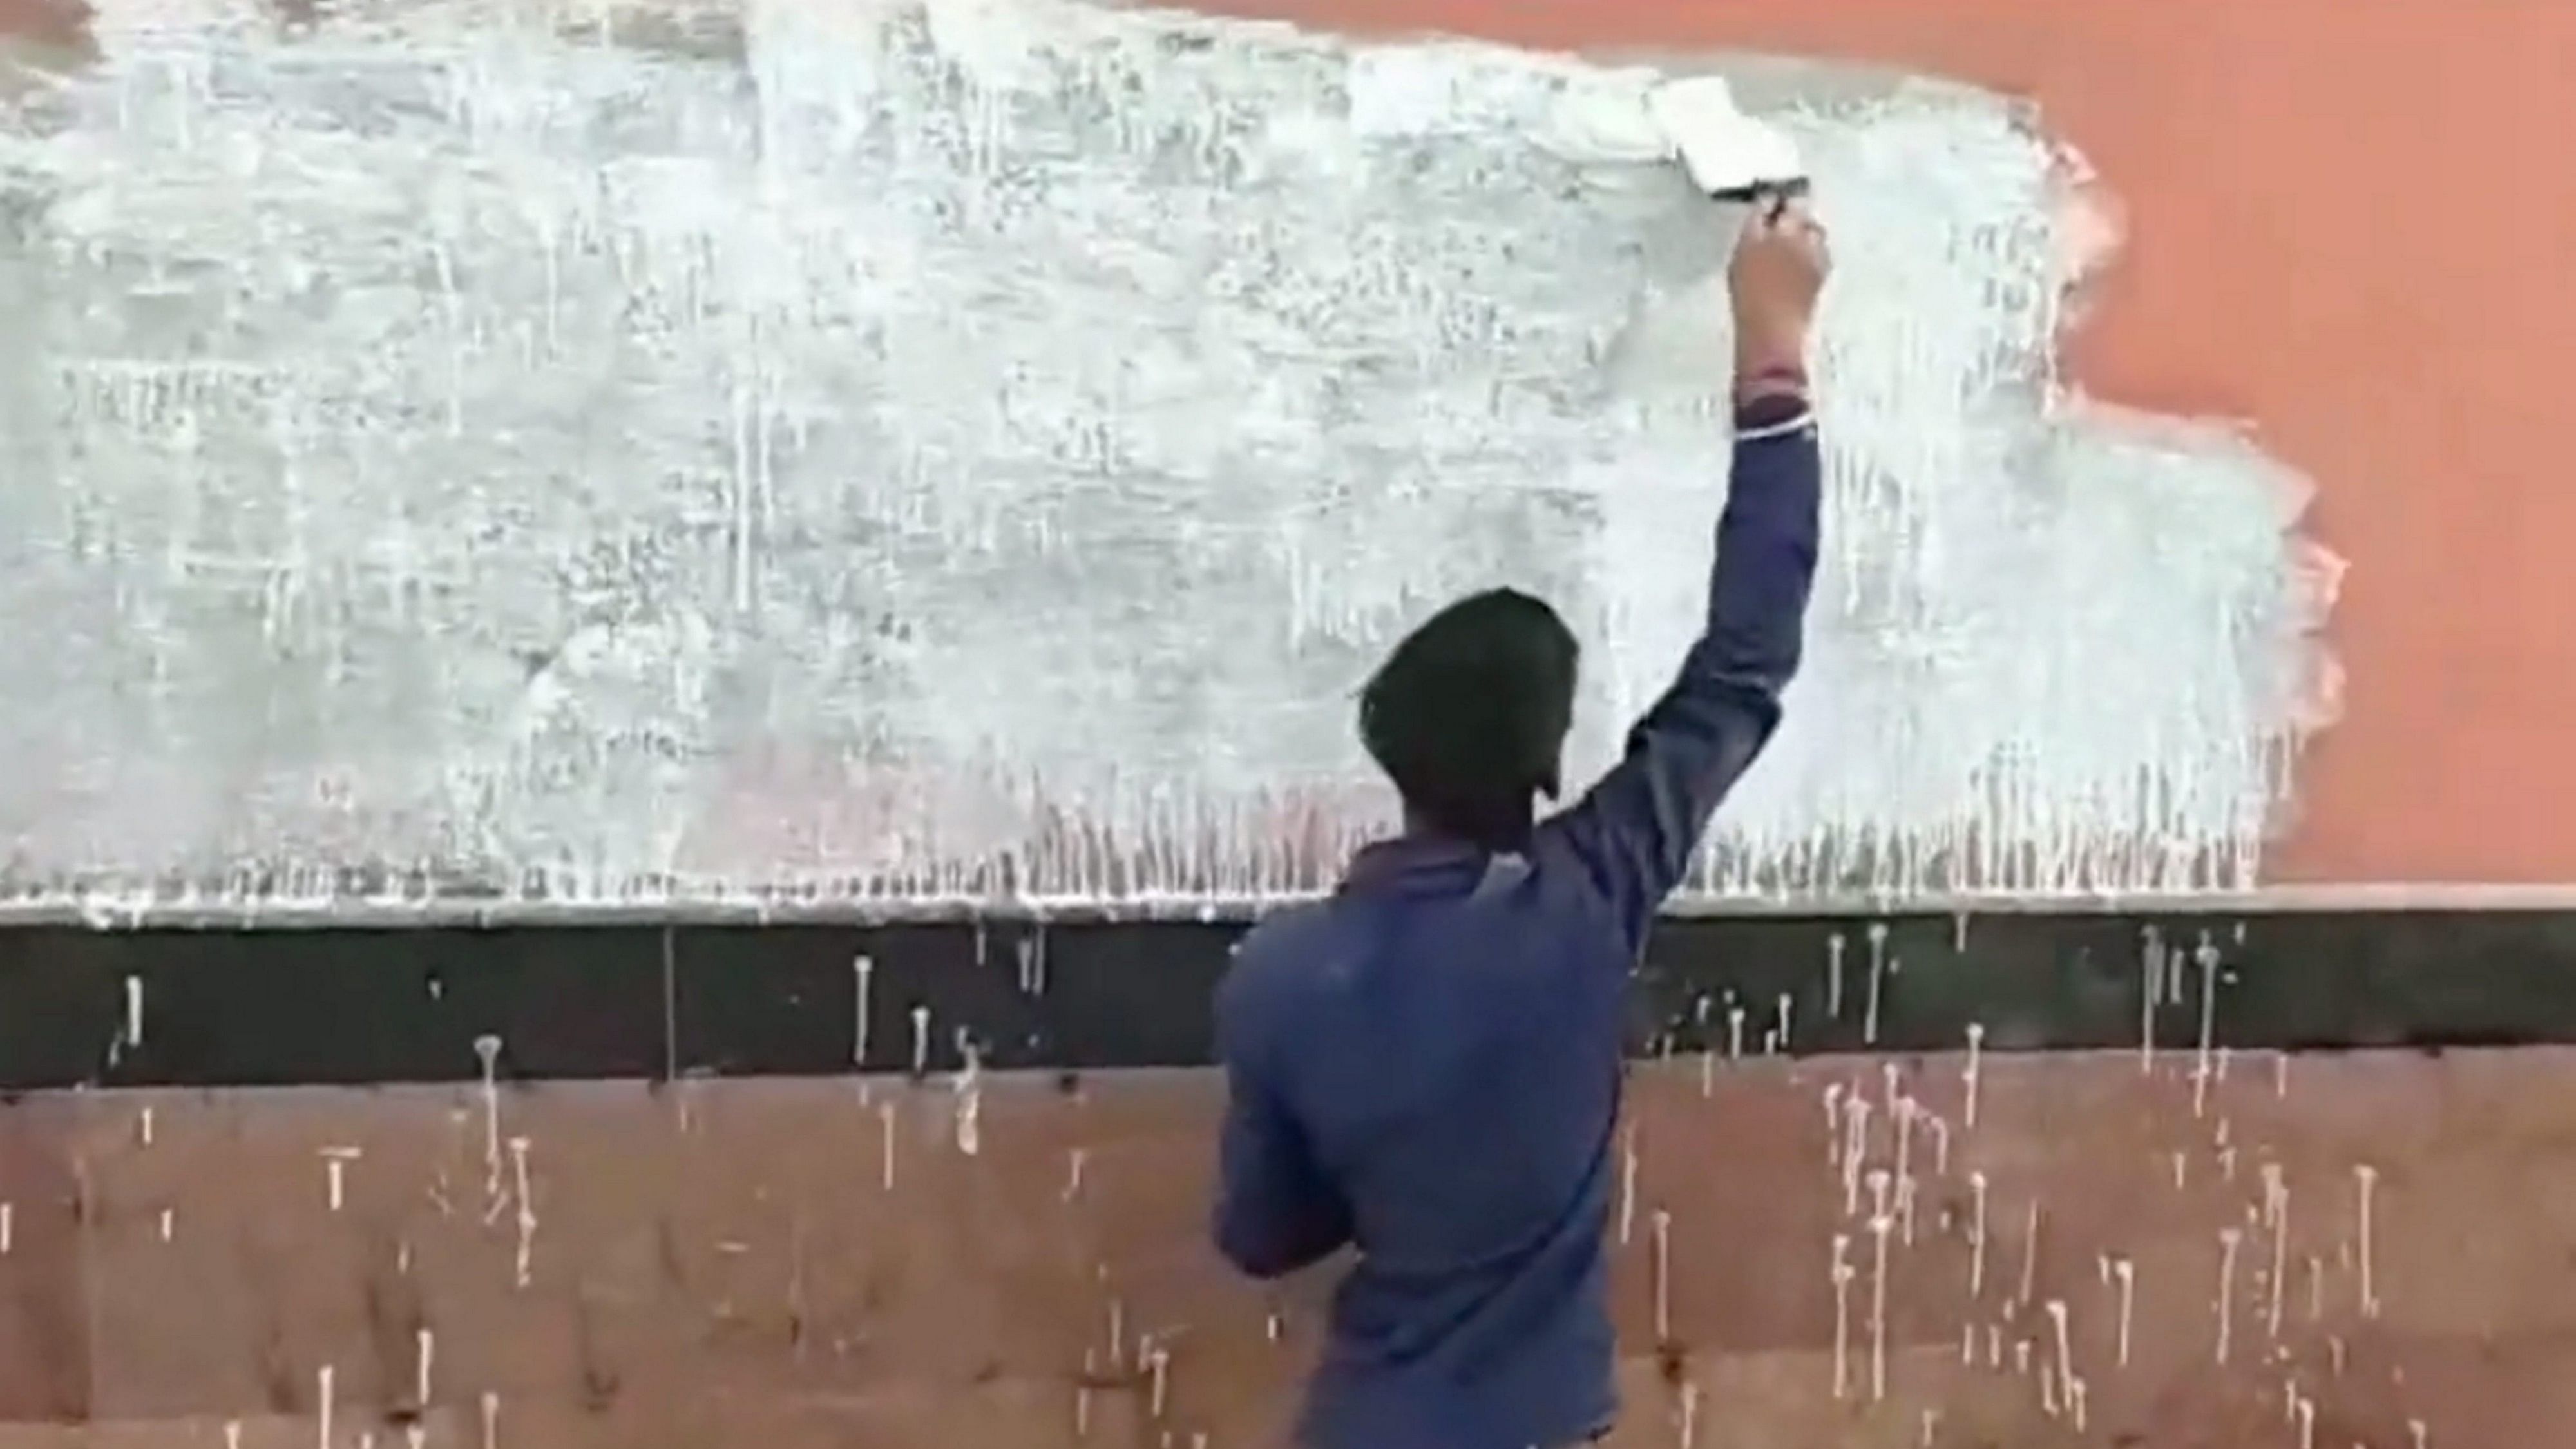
(933, 452)
(735, 1263)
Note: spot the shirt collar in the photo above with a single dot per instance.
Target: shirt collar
(1421, 863)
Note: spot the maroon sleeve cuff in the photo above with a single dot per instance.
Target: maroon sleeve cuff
(1769, 410)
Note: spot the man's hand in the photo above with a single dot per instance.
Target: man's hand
(1779, 269)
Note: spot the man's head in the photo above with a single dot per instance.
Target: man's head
(1469, 715)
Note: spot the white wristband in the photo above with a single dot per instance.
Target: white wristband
(1803, 422)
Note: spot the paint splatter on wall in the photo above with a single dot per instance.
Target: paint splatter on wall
(975, 449)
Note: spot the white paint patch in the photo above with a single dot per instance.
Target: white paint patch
(978, 449)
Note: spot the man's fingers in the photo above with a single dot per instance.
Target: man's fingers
(1777, 217)
(1771, 211)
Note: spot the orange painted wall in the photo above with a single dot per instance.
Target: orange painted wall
(2351, 222)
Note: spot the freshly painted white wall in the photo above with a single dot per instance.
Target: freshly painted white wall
(840, 447)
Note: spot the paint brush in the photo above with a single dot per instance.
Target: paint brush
(1730, 156)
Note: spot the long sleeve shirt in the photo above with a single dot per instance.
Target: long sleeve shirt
(1426, 1065)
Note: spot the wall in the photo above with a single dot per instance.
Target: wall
(2279, 270)
(476, 454)
(727, 1235)
(838, 1262)
(725, 1261)
(2248, 179)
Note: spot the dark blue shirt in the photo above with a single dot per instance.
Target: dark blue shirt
(1426, 1065)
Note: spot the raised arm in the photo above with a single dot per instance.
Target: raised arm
(1634, 834)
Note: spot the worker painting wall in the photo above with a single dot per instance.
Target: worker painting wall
(260, 604)
(969, 450)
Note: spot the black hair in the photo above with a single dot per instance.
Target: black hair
(1469, 715)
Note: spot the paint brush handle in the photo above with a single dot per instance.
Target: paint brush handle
(1763, 193)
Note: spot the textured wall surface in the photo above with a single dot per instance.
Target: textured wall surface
(949, 450)
(796, 1263)
(2274, 274)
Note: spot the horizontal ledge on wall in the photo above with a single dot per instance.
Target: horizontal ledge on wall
(112, 913)
(661, 1001)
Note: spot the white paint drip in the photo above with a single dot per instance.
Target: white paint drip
(1663, 1253)
(487, 1051)
(968, 1088)
(479, 457)
(1627, 1184)
(2205, 955)
(1842, 1280)
(2125, 1274)
(1877, 980)
(862, 974)
(1855, 1149)
(1879, 1227)
(2151, 970)
(335, 1170)
(1905, 1164)
(2229, 1238)
(885, 1146)
(527, 1216)
(1969, 1082)
(1976, 1234)
(2029, 1254)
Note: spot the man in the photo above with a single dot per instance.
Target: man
(1427, 1065)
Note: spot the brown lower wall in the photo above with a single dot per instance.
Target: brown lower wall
(724, 1263)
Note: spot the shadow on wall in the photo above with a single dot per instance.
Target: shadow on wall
(2000, 1251)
